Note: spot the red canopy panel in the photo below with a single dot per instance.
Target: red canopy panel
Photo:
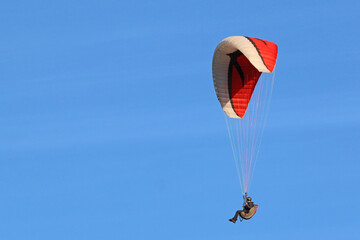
(267, 51)
(243, 77)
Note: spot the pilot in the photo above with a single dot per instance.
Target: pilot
(246, 208)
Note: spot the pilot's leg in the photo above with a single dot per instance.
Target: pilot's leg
(234, 219)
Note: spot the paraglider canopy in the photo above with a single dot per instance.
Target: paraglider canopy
(237, 65)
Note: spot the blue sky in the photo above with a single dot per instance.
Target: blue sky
(110, 126)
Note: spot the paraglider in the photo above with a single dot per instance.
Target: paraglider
(243, 79)
(249, 210)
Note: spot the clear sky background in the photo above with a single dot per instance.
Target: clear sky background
(110, 127)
